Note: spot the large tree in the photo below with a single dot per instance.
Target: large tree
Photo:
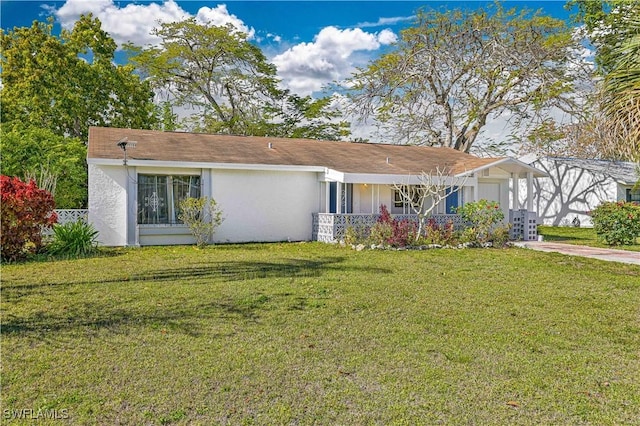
(454, 71)
(609, 128)
(608, 23)
(32, 152)
(228, 84)
(69, 82)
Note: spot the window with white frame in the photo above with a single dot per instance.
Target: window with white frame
(159, 197)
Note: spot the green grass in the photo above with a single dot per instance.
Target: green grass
(316, 334)
(579, 236)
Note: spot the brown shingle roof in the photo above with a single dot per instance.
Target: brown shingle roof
(346, 157)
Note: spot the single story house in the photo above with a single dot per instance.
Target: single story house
(270, 189)
(575, 186)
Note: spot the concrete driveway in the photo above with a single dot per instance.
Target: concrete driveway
(612, 255)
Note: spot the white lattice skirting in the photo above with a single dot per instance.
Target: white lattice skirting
(69, 215)
(331, 227)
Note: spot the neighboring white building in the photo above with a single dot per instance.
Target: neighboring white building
(270, 189)
(576, 186)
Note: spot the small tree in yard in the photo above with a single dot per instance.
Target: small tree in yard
(432, 189)
(202, 215)
(26, 211)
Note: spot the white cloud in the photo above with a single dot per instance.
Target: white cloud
(219, 16)
(381, 22)
(130, 23)
(387, 37)
(332, 56)
(276, 38)
(134, 22)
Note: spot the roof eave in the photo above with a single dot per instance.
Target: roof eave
(521, 167)
(203, 165)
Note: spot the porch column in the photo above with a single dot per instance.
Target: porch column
(132, 233)
(476, 192)
(338, 197)
(530, 191)
(515, 180)
(373, 201)
(327, 195)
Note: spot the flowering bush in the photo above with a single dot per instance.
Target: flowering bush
(483, 216)
(617, 223)
(390, 231)
(26, 211)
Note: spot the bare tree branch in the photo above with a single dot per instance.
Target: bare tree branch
(431, 190)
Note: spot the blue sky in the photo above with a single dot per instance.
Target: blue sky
(311, 42)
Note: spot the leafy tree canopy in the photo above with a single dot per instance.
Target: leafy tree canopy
(454, 71)
(610, 125)
(229, 84)
(29, 151)
(608, 24)
(70, 82)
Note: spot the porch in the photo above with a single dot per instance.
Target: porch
(331, 227)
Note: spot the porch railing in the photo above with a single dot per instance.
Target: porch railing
(331, 227)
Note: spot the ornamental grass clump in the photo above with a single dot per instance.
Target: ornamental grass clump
(617, 223)
(73, 240)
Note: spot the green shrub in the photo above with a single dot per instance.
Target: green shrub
(352, 235)
(617, 223)
(73, 239)
(500, 235)
(483, 215)
(202, 216)
(440, 235)
(380, 233)
(469, 235)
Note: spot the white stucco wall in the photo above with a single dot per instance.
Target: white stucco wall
(265, 205)
(569, 192)
(108, 203)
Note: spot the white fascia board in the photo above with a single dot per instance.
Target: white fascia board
(510, 165)
(193, 165)
(331, 175)
(381, 179)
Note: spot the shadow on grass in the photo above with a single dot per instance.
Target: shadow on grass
(184, 317)
(216, 271)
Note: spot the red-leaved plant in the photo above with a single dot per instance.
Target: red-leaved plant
(26, 211)
(392, 232)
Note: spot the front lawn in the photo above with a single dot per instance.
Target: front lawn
(307, 333)
(579, 236)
